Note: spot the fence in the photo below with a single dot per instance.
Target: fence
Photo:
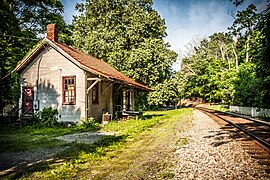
(250, 111)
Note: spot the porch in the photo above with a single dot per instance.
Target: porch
(111, 98)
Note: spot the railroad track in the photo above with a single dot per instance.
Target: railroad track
(254, 135)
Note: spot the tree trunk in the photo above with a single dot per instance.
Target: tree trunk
(247, 48)
(222, 53)
(236, 58)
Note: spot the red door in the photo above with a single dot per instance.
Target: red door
(28, 99)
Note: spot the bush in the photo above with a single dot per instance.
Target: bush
(46, 117)
(88, 123)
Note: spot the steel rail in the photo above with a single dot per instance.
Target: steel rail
(260, 140)
(238, 115)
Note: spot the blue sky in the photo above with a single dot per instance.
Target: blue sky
(187, 20)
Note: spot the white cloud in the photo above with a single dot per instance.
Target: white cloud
(69, 9)
(200, 19)
(203, 19)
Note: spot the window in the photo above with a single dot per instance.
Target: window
(95, 94)
(69, 90)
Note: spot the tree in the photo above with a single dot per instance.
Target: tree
(263, 63)
(237, 72)
(252, 30)
(22, 22)
(169, 92)
(128, 34)
(246, 86)
(243, 28)
(209, 70)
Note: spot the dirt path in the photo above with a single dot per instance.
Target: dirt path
(11, 162)
(15, 161)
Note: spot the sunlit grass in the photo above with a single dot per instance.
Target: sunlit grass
(31, 137)
(222, 108)
(128, 153)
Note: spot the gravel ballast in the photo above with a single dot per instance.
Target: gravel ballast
(211, 153)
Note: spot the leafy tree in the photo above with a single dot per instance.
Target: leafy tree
(245, 86)
(209, 69)
(22, 22)
(252, 30)
(237, 72)
(168, 92)
(128, 34)
(243, 28)
(263, 62)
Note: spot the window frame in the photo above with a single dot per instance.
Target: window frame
(63, 90)
(96, 102)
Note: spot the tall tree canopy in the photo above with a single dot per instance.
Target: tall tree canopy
(263, 58)
(22, 22)
(209, 68)
(128, 34)
(233, 67)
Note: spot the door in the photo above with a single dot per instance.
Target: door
(27, 99)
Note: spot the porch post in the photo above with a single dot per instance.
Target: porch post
(132, 101)
(124, 100)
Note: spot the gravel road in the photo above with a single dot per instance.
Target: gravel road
(211, 153)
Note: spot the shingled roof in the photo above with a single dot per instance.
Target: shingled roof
(99, 67)
(84, 61)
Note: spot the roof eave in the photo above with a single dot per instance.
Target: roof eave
(26, 59)
(92, 70)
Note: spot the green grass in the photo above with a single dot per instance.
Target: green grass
(31, 137)
(222, 108)
(265, 118)
(139, 147)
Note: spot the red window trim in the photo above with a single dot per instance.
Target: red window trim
(63, 90)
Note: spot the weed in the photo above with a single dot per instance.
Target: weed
(46, 117)
(89, 123)
(167, 175)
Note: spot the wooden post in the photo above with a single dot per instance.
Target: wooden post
(124, 100)
(131, 100)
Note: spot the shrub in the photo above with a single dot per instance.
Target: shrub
(46, 117)
(88, 123)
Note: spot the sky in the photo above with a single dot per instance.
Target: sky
(187, 20)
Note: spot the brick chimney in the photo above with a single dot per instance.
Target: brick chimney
(52, 32)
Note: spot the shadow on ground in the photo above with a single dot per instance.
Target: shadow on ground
(69, 152)
(224, 135)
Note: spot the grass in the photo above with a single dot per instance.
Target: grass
(141, 148)
(225, 108)
(222, 108)
(265, 118)
(31, 137)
